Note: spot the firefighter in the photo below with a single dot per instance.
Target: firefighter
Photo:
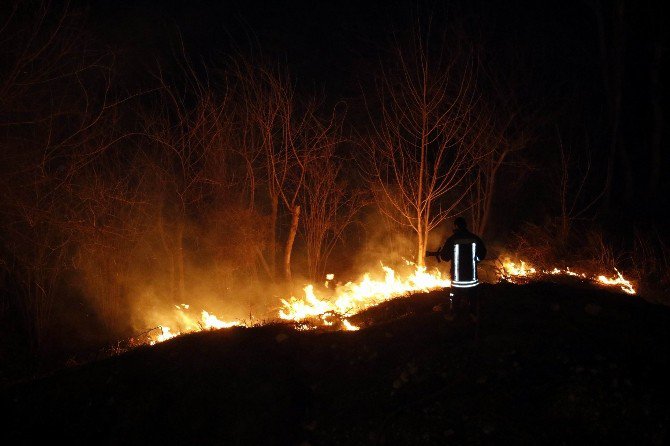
(464, 250)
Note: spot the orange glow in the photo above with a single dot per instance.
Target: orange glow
(328, 306)
(189, 324)
(354, 297)
(620, 281)
(511, 269)
(522, 271)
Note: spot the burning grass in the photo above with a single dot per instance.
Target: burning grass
(330, 305)
(520, 271)
(188, 323)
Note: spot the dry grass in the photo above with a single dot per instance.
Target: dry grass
(645, 259)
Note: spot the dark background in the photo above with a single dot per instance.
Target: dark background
(553, 49)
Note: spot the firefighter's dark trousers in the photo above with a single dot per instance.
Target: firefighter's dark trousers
(464, 300)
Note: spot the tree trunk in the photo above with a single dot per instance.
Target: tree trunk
(421, 254)
(273, 236)
(488, 199)
(169, 252)
(421, 245)
(314, 254)
(181, 282)
(289, 242)
(263, 262)
(423, 240)
(422, 203)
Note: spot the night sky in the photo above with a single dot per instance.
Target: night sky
(331, 44)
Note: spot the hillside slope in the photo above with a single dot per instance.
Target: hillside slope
(552, 364)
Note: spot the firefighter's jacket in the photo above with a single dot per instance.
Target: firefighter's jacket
(464, 250)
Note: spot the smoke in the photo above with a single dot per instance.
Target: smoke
(383, 240)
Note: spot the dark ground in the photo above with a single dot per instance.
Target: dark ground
(554, 364)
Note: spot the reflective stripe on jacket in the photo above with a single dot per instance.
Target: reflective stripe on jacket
(464, 250)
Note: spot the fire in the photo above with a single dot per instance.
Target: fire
(521, 271)
(625, 284)
(212, 322)
(354, 297)
(189, 324)
(349, 327)
(326, 306)
(164, 335)
(511, 269)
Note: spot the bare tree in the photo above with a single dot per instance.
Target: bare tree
(186, 137)
(505, 131)
(38, 39)
(38, 244)
(54, 94)
(260, 120)
(421, 150)
(570, 190)
(330, 207)
(115, 217)
(283, 136)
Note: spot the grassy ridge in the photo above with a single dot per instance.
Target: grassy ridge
(552, 364)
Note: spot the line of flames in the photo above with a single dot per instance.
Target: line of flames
(327, 306)
(522, 271)
(189, 324)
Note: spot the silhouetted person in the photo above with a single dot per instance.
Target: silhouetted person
(464, 250)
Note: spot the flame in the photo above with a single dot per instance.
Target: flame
(328, 307)
(511, 269)
(625, 284)
(329, 277)
(213, 322)
(522, 271)
(189, 324)
(352, 298)
(164, 335)
(349, 327)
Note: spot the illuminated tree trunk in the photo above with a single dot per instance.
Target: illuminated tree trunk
(421, 210)
(421, 244)
(420, 260)
(289, 242)
(424, 243)
(179, 253)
